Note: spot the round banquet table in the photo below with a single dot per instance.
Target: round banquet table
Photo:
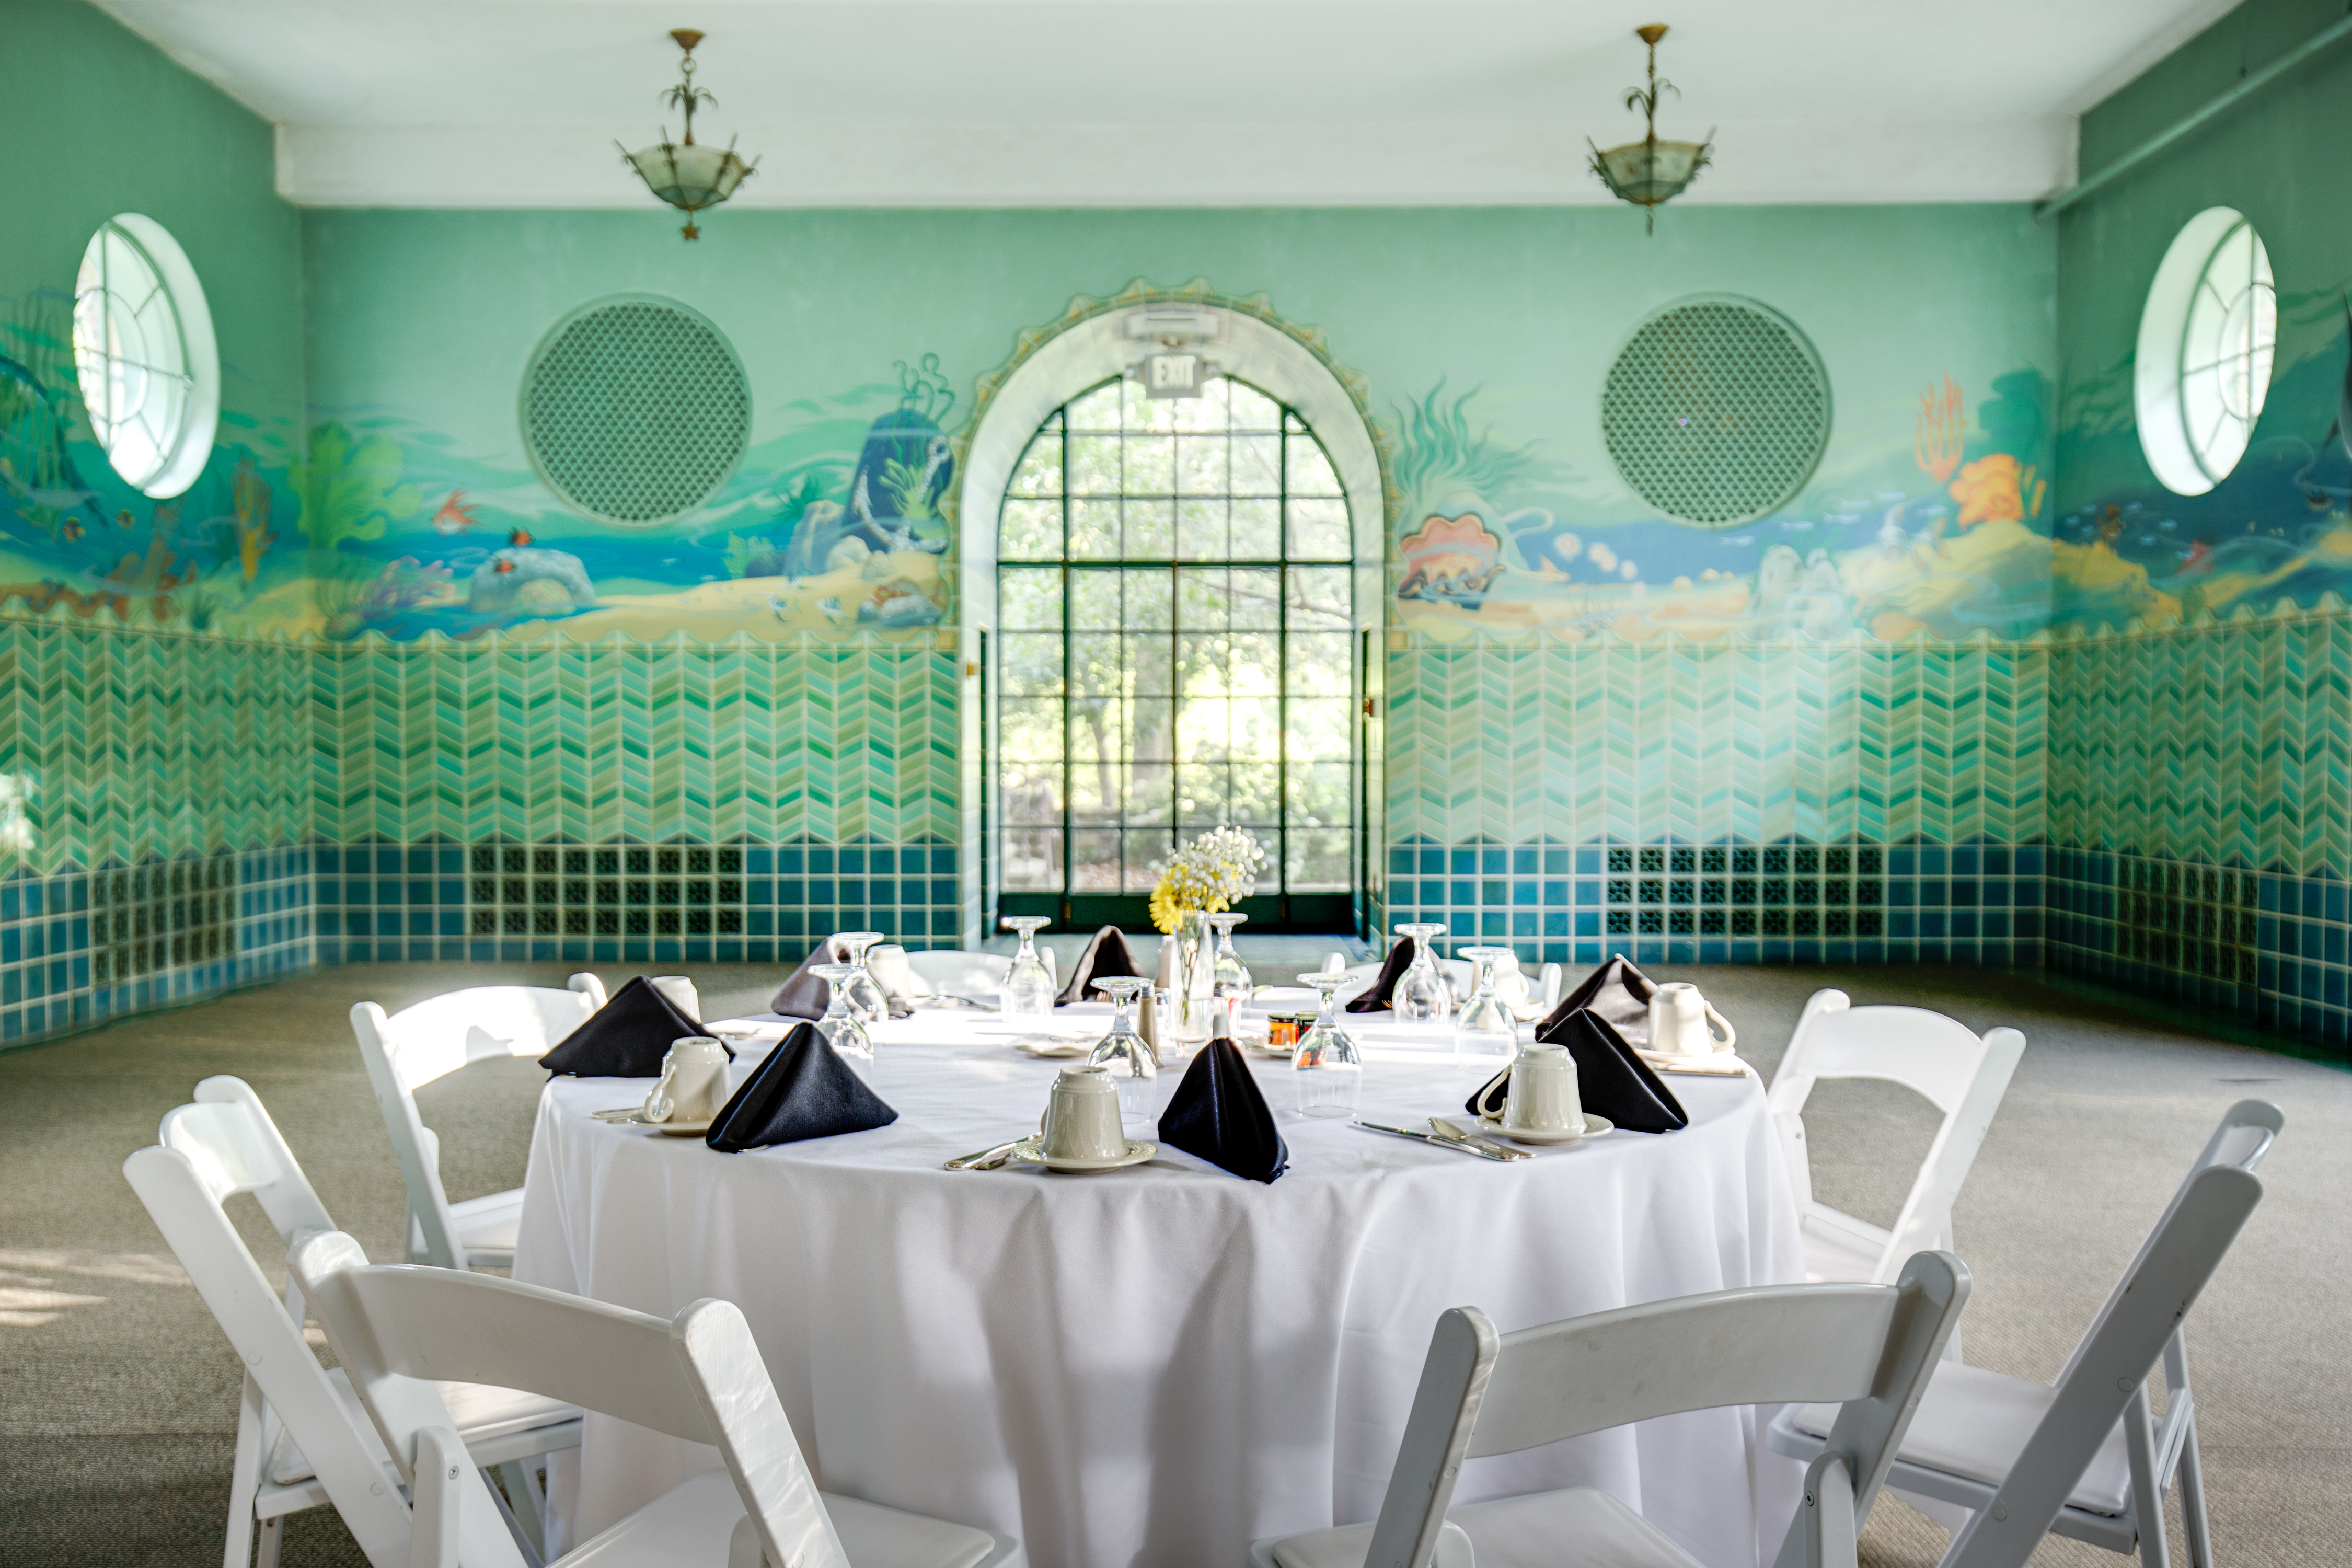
(1156, 1365)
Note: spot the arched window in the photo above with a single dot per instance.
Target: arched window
(1177, 652)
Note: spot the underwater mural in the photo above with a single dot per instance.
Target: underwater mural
(1946, 536)
(835, 526)
(2278, 530)
(379, 524)
(73, 534)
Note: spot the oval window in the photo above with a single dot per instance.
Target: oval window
(145, 355)
(2207, 338)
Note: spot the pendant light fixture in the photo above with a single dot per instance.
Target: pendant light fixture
(688, 176)
(1651, 173)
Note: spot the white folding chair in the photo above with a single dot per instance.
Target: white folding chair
(1935, 1057)
(435, 1038)
(698, 1377)
(952, 971)
(2084, 1458)
(302, 1440)
(1870, 1346)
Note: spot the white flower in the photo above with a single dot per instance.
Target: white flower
(1217, 869)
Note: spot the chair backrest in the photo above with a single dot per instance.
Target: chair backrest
(698, 1377)
(435, 1038)
(2142, 1315)
(233, 1145)
(221, 1146)
(1870, 1347)
(957, 972)
(1937, 1058)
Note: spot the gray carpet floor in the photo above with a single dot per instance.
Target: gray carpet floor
(119, 1398)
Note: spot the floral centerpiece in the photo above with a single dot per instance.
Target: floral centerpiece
(1211, 874)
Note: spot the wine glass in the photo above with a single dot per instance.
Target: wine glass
(868, 1002)
(839, 1026)
(1028, 989)
(1485, 1028)
(1230, 981)
(1421, 995)
(1123, 1051)
(1327, 1067)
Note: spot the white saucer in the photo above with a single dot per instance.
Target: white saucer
(1032, 1150)
(1593, 1127)
(1047, 1048)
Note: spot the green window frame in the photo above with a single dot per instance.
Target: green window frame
(1176, 649)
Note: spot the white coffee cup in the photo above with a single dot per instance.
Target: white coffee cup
(680, 992)
(693, 1082)
(1081, 1120)
(1681, 1022)
(1542, 1097)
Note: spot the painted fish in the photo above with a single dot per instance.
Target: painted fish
(455, 516)
(519, 538)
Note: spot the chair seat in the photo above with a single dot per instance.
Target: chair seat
(487, 1227)
(1974, 1423)
(482, 1414)
(1579, 1527)
(694, 1523)
(1839, 1248)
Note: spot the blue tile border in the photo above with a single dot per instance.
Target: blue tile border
(1790, 902)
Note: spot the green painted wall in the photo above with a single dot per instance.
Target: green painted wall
(2197, 779)
(99, 121)
(422, 322)
(1557, 713)
(138, 743)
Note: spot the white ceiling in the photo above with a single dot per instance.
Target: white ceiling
(1133, 102)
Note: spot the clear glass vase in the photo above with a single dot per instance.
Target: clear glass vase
(1196, 980)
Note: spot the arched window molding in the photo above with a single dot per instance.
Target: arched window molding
(1097, 340)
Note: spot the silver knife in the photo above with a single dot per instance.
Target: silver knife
(1445, 1128)
(1432, 1139)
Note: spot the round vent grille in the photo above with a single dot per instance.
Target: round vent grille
(634, 409)
(1717, 411)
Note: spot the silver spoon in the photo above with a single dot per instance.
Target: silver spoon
(986, 1160)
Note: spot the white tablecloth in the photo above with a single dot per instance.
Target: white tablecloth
(1157, 1365)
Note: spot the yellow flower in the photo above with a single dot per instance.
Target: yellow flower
(1167, 914)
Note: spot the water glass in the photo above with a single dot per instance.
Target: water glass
(1129, 1060)
(1485, 1028)
(868, 1002)
(1421, 995)
(840, 1025)
(1327, 1068)
(1231, 985)
(1028, 989)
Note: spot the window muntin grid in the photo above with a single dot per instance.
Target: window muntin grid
(1176, 643)
(2226, 347)
(131, 357)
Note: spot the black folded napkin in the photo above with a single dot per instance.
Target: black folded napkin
(1392, 968)
(805, 994)
(627, 1037)
(1218, 1114)
(1617, 992)
(802, 1090)
(1611, 1079)
(1106, 958)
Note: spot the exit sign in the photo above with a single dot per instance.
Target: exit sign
(1173, 375)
